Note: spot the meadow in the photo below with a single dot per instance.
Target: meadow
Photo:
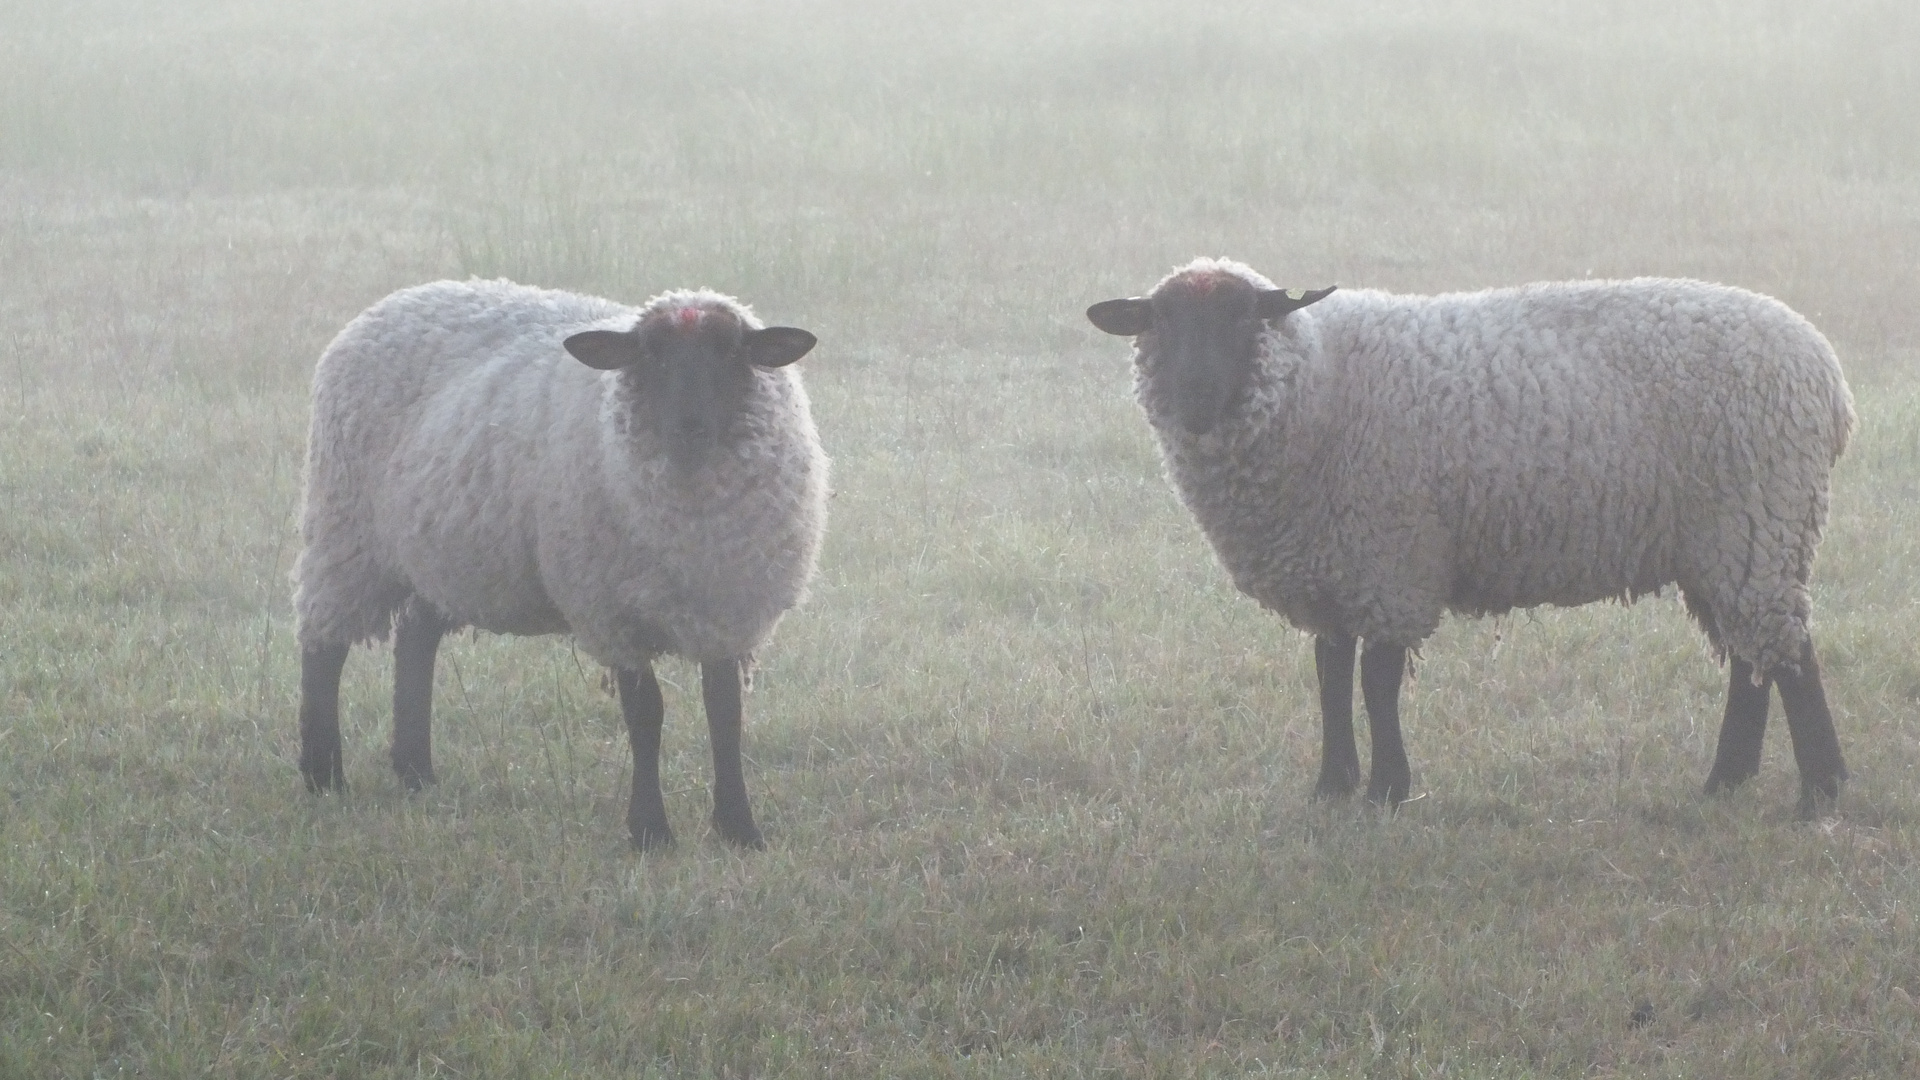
(1035, 778)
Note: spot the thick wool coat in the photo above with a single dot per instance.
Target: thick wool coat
(1394, 457)
(458, 452)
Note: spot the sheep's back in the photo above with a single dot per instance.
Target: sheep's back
(1592, 439)
(434, 411)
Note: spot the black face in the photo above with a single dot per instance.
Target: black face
(1206, 330)
(693, 380)
(689, 372)
(1206, 343)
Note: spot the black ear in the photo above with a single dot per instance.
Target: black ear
(605, 350)
(1274, 303)
(778, 346)
(1127, 317)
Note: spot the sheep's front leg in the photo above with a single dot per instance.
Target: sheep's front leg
(1381, 669)
(416, 643)
(644, 710)
(1816, 747)
(1339, 759)
(320, 763)
(720, 686)
(1737, 757)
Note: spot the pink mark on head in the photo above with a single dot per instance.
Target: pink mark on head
(687, 317)
(1199, 282)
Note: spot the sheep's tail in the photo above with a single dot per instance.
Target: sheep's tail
(1840, 416)
(1843, 418)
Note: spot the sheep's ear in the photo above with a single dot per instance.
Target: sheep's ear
(604, 350)
(778, 346)
(1274, 303)
(1128, 317)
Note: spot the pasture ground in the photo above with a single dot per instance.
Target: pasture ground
(1035, 778)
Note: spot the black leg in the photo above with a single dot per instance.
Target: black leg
(1339, 760)
(720, 686)
(1381, 669)
(1816, 747)
(640, 703)
(1738, 757)
(320, 763)
(416, 641)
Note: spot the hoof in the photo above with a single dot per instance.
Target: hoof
(322, 781)
(744, 835)
(1335, 784)
(1818, 799)
(1389, 795)
(652, 838)
(1723, 782)
(414, 779)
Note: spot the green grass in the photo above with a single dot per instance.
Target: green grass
(1035, 779)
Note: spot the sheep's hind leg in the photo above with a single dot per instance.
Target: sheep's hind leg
(320, 763)
(720, 687)
(1816, 747)
(416, 642)
(1381, 669)
(644, 710)
(1339, 760)
(1737, 758)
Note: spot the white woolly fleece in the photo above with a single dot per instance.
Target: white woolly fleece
(459, 452)
(1397, 456)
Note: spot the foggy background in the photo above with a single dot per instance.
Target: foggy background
(1035, 778)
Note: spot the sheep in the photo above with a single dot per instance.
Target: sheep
(660, 491)
(1363, 461)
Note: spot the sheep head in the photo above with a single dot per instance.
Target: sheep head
(1205, 327)
(689, 368)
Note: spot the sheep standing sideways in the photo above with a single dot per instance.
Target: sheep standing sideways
(1363, 461)
(661, 490)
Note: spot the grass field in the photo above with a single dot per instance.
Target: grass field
(1035, 778)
